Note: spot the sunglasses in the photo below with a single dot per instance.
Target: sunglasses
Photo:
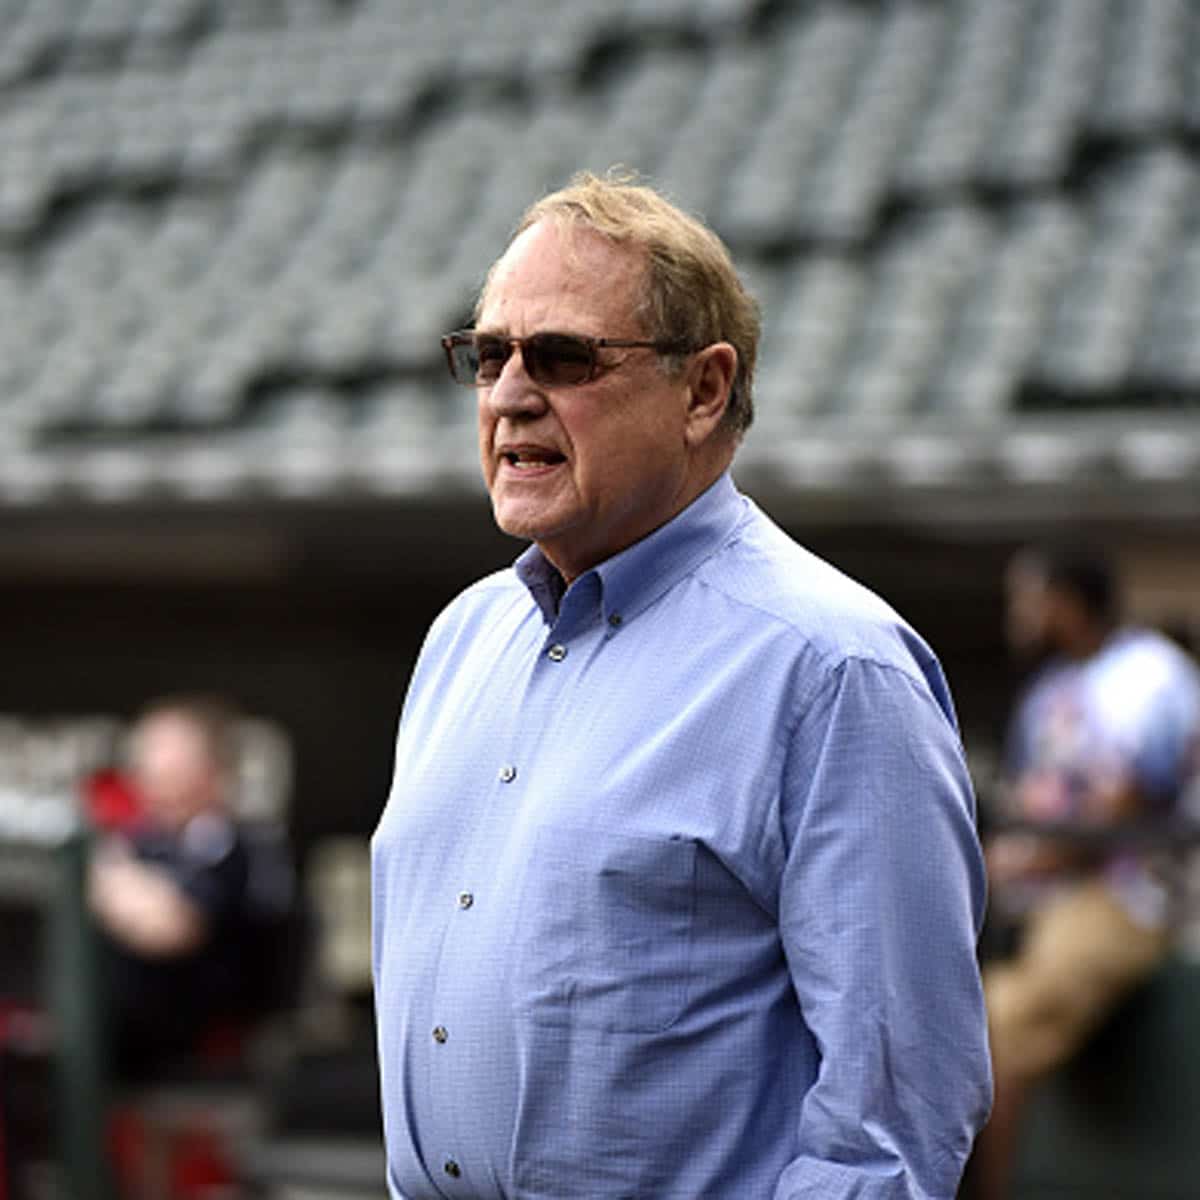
(550, 359)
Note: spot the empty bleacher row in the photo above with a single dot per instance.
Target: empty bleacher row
(231, 230)
(830, 108)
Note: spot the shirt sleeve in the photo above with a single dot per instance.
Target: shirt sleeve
(1162, 730)
(880, 910)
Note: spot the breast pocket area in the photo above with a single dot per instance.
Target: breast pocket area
(605, 931)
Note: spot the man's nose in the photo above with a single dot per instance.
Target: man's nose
(514, 392)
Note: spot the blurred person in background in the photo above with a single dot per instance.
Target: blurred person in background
(1106, 734)
(169, 888)
(677, 890)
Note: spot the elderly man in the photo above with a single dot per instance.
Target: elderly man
(677, 889)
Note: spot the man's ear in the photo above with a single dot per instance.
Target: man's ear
(710, 383)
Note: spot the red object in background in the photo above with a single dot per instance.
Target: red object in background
(126, 1143)
(199, 1165)
(111, 802)
(196, 1162)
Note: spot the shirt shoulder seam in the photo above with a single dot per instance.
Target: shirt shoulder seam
(831, 661)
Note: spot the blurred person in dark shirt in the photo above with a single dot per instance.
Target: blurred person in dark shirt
(170, 889)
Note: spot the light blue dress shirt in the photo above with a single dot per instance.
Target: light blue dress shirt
(677, 890)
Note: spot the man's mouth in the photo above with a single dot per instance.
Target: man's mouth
(532, 458)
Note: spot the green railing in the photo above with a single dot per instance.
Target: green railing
(43, 866)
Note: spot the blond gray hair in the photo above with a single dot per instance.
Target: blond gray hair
(693, 295)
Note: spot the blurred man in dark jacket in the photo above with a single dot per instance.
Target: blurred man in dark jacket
(170, 893)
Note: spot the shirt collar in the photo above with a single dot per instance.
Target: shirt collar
(633, 579)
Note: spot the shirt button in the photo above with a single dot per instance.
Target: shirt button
(465, 899)
(557, 652)
(508, 773)
(440, 1035)
(452, 1168)
(615, 620)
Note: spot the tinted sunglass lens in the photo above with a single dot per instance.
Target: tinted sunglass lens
(488, 356)
(557, 359)
(462, 362)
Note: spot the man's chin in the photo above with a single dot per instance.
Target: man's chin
(527, 529)
(521, 520)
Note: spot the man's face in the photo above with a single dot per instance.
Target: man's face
(583, 471)
(173, 769)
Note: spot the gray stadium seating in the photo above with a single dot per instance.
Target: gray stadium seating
(232, 224)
